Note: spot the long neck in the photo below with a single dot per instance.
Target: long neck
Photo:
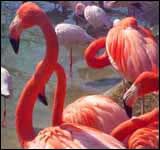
(90, 54)
(59, 96)
(128, 127)
(148, 82)
(30, 92)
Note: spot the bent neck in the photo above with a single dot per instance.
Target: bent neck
(128, 127)
(59, 97)
(33, 87)
(147, 83)
(90, 54)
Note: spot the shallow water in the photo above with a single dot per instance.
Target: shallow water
(32, 47)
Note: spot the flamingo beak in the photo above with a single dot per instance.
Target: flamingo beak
(15, 30)
(43, 99)
(128, 109)
(15, 44)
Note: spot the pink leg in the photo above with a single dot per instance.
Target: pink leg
(4, 123)
(70, 64)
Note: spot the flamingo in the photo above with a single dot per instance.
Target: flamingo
(130, 48)
(95, 15)
(6, 90)
(125, 129)
(98, 111)
(70, 36)
(61, 135)
(145, 83)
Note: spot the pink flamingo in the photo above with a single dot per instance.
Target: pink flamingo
(124, 130)
(71, 36)
(130, 48)
(6, 90)
(98, 111)
(145, 83)
(63, 135)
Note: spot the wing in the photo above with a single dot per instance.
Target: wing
(132, 50)
(95, 111)
(73, 136)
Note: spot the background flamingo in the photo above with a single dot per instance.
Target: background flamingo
(6, 90)
(64, 135)
(140, 88)
(124, 130)
(71, 36)
(95, 16)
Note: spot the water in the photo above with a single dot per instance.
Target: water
(85, 80)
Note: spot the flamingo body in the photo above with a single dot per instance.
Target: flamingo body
(6, 82)
(71, 35)
(96, 111)
(131, 48)
(96, 16)
(73, 136)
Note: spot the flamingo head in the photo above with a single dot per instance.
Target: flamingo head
(25, 18)
(79, 9)
(115, 22)
(129, 98)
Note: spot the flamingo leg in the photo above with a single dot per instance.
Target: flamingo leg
(70, 64)
(4, 123)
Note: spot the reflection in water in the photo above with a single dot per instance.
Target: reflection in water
(85, 80)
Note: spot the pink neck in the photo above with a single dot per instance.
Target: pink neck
(59, 97)
(128, 127)
(30, 92)
(91, 51)
(147, 82)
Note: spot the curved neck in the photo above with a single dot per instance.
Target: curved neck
(128, 127)
(90, 54)
(147, 82)
(30, 92)
(59, 96)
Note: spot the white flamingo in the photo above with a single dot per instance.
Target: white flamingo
(70, 36)
(95, 15)
(6, 90)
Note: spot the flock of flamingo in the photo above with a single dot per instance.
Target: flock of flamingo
(94, 121)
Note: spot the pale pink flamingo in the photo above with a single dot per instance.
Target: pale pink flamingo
(130, 48)
(6, 90)
(145, 83)
(95, 15)
(70, 36)
(64, 135)
(125, 129)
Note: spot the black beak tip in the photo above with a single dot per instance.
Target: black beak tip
(15, 45)
(43, 99)
(128, 110)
